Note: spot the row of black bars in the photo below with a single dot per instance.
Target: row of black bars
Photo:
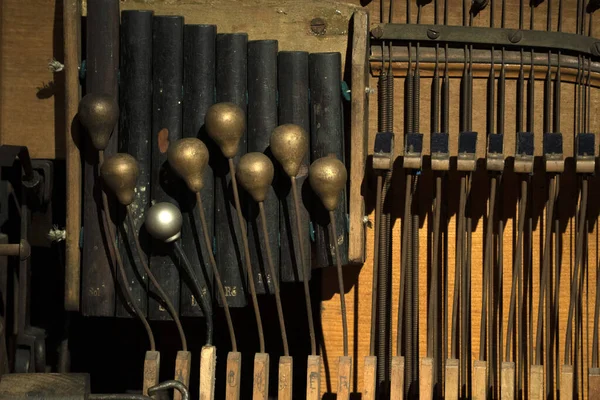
(166, 75)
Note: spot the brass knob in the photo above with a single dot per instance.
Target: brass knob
(120, 173)
(289, 144)
(255, 173)
(328, 177)
(98, 113)
(225, 124)
(188, 158)
(163, 222)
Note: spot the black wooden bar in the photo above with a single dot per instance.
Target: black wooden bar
(262, 119)
(167, 83)
(293, 109)
(231, 83)
(198, 96)
(135, 104)
(102, 65)
(327, 139)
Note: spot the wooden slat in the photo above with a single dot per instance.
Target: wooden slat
(151, 370)
(183, 364)
(451, 384)
(233, 375)
(260, 389)
(359, 132)
(426, 378)
(208, 365)
(397, 378)
(286, 378)
(344, 378)
(479, 380)
(594, 383)
(313, 378)
(566, 382)
(370, 378)
(72, 38)
(508, 381)
(536, 385)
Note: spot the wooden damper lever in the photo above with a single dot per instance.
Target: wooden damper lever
(163, 223)
(98, 113)
(289, 144)
(188, 158)
(119, 174)
(225, 124)
(327, 177)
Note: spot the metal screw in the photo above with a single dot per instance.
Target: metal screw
(596, 49)
(318, 26)
(433, 34)
(377, 32)
(515, 36)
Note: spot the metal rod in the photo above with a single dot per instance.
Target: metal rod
(340, 282)
(376, 252)
(263, 218)
(457, 269)
(518, 268)
(115, 255)
(487, 270)
(217, 275)
(198, 292)
(241, 221)
(163, 296)
(305, 266)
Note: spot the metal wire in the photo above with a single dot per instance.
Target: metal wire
(163, 296)
(263, 218)
(216, 273)
(242, 225)
(305, 266)
(340, 282)
(115, 255)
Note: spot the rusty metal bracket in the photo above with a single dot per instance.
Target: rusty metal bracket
(566, 42)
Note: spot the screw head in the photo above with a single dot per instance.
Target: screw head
(377, 32)
(515, 36)
(433, 34)
(318, 26)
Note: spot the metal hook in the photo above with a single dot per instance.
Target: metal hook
(172, 384)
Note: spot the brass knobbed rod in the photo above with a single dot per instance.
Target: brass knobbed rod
(98, 114)
(120, 173)
(225, 124)
(289, 144)
(327, 177)
(163, 223)
(188, 158)
(255, 173)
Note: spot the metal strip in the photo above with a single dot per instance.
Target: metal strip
(584, 45)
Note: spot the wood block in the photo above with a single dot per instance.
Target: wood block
(183, 364)
(344, 378)
(479, 380)
(507, 391)
(426, 378)
(566, 382)
(536, 384)
(234, 372)
(594, 383)
(359, 132)
(370, 378)
(286, 378)
(397, 379)
(208, 364)
(313, 378)
(151, 370)
(451, 384)
(260, 390)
